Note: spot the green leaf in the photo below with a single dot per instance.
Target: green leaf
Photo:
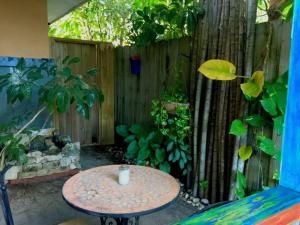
(160, 155)
(83, 109)
(150, 136)
(245, 152)
(278, 124)
(241, 180)
(267, 146)
(171, 156)
(142, 142)
(65, 59)
(93, 72)
(170, 145)
(255, 121)
(122, 130)
(63, 101)
(132, 150)
(254, 86)
(137, 129)
(74, 60)
(90, 99)
(144, 153)
(181, 164)
(218, 70)
(165, 166)
(130, 138)
(177, 155)
(34, 75)
(269, 106)
(237, 128)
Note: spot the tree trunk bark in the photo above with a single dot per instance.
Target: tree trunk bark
(221, 35)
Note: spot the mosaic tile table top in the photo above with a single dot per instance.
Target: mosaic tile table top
(97, 191)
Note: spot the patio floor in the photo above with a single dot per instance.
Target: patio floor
(42, 204)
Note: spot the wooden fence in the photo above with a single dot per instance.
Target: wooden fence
(159, 63)
(272, 51)
(100, 127)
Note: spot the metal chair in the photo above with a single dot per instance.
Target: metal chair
(4, 200)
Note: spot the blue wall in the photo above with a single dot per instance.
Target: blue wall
(7, 112)
(290, 165)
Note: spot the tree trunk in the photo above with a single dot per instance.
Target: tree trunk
(238, 164)
(221, 35)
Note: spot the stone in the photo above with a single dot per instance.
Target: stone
(32, 167)
(65, 162)
(75, 166)
(34, 154)
(196, 200)
(71, 149)
(38, 144)
(51, 165)
(204, 201)
(12, 173)
(49, 143)
(49, 158)
(53, 150)
(44, 132)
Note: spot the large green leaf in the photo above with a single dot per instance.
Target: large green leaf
(63, 101)
(255, 120)
(160, 155)
(278, 124)
(266, 145)
(237, 128)
(241, 180)
(132, 150)
(74, 60)
(245, 152)
(122, 130)
(144, 153)
(216, 69)
(269, 106)
(165, 166)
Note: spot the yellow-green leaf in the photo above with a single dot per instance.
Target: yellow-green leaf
(216, 69)
(245, 152)
(255, 85)
(259, 78)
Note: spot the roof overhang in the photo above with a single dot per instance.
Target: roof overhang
(59, 8)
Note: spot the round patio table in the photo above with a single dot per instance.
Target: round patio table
(97, 192)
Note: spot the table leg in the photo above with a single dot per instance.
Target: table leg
(120, 221)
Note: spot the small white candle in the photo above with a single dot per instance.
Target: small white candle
(124, 175)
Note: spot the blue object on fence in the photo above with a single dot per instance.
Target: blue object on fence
(290, 165)
(135, 62)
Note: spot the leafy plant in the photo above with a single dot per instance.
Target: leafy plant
(176, 130)
(267, 102)
(163, 145)
(145, 146)
(62, 89)
(164, 20)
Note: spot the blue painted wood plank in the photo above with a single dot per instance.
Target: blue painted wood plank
(290, 165)
(250, 210)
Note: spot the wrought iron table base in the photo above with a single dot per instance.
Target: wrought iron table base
(119, 221)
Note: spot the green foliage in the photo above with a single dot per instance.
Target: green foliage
(97, 20)
(62, 89)
(241, 185)
(164, 145)
(145, 146)
(267, 103)
(123, 22)
(164, 20)
(237, 128)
